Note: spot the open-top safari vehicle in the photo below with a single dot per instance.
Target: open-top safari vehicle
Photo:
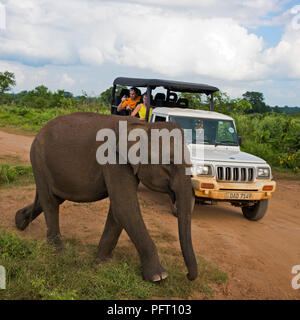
(225, 173)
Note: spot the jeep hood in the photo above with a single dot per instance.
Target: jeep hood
(224, 155)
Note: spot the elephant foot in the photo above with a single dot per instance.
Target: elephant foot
(103, 259)
(21, 220)
(56, 242)
(159, 277)
(155, 275)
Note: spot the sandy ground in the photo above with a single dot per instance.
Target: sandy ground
(257, 256)
(14, 146)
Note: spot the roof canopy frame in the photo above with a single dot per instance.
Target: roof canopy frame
(178, 86)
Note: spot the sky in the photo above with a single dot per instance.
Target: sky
(83, 45)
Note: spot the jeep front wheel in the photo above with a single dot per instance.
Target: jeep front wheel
(257, 211)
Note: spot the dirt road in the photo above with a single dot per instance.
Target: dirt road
(14, 147)
(257, 256)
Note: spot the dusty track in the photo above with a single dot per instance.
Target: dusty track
(13, 146)
(257, 256)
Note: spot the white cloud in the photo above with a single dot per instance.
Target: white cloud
(27, 77)
(206, 39)
(247, 12)
(284, 58)
(177, 45)
(91, 55)
(234, 91)
(66, 81)
(162, 40)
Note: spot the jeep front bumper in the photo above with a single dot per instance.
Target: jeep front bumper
(210, 188)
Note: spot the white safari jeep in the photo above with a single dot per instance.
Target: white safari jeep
(224, 173)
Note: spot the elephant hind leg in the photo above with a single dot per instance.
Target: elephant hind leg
(27, 214)
(109, 238)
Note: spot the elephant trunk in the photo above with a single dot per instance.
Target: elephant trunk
(184, 203)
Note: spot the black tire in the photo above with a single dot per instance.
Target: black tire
(257, 211)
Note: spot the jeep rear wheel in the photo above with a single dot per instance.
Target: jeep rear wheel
(257, 211)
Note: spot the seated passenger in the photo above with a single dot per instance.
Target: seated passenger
(130, 103)
(141, 109)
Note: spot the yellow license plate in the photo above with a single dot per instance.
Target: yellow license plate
(238, 195)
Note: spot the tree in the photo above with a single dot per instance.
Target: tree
(257, 101)
(7, 81)
(195, 100)
(106, 96)
(38, 98)
(42, 91)
(222, 102)
(57, 99)
(277, 109)
(241, 106)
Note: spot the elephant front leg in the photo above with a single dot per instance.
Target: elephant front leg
(122, 190)
(50, 205)
(109, 238)
(53, 232)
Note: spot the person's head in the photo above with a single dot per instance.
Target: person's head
(145, 97)
(134, 93)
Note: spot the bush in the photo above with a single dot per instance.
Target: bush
(9, 174)
(13, 247)
(274, 137)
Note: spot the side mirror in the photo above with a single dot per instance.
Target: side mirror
(239, 140)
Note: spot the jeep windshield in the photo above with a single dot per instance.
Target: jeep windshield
(207, 131)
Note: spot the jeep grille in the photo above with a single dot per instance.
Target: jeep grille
(235, 174)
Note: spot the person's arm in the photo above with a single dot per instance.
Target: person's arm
(136, 110)
(120, 106)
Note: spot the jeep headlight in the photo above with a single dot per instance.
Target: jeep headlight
(263, 173)
(201, 170)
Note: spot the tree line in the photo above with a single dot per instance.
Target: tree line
(41, 97)
(267, 132)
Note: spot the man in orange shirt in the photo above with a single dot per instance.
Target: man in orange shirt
(130, 103)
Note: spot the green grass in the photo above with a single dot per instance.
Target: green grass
(18, 175)
(35, 271)
(32, 120)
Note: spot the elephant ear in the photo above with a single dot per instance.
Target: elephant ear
(132, 143)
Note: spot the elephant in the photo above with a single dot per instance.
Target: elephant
(65, 168)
